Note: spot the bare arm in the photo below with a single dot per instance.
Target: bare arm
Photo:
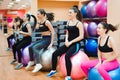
(49, 25)
(66, 36)
(99, 53)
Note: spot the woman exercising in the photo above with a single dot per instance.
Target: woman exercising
(107, 53)
(74, 34)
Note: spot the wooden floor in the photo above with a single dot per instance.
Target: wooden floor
(7, 71)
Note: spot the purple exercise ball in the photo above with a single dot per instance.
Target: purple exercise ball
(92, 29)
(25, 55)
(90, 10)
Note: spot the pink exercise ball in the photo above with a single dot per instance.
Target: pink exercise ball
(101, 8)
(9, 19)
(85, 25)
(76, 60)
(104, 0)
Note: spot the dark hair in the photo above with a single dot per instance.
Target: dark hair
(4, 18)
(35, 22)
(76, 10)
(108, 27)
(28, 16)
(18, 19)
(50, 16)
(75, 6)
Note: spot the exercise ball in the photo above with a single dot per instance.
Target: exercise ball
(85, 25)
(83, 11)
(76, 60)
(90, 10)
(104, 0)
(9, 19)
(91, 47)
(92, 29)
(101, 8)
(46, 59)
(12, 42)
(94, 74)
(25, 55)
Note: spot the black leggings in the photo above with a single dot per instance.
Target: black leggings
(70, 51)
(8, 39)
(20, 45)
(5, 29)
(38, 47)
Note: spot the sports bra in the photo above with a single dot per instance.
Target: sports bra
(43, 27)
(105, 48)
(73, 31)
(24, 28)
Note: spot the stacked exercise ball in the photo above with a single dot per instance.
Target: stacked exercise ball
(85, 25)
(92, 29)
(95, 8)
(101, 8)
(91, 9)
(91, 47)
(83, 10)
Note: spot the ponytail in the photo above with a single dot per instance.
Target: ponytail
(50, 16)
(35, 22)
(112, 28)
(108, 27)
(79, 14)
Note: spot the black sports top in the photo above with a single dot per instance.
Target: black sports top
(24, 28)
(43, 27)
(73, 31)
(105, 48)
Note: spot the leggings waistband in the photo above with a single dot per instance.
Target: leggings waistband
(46, 36)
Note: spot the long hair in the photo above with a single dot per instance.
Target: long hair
(49, 16)
(20, 20)
(108, 27)
(35, 20)
(79, 14)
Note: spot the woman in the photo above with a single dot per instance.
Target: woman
(16, 26)
(107, 52)
(26, 32)
(47, 32)
(5, 25)
(74, 34)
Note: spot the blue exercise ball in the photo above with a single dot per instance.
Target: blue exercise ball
(92, 29)
(83, 11)
(95, 75)
(91, 47)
